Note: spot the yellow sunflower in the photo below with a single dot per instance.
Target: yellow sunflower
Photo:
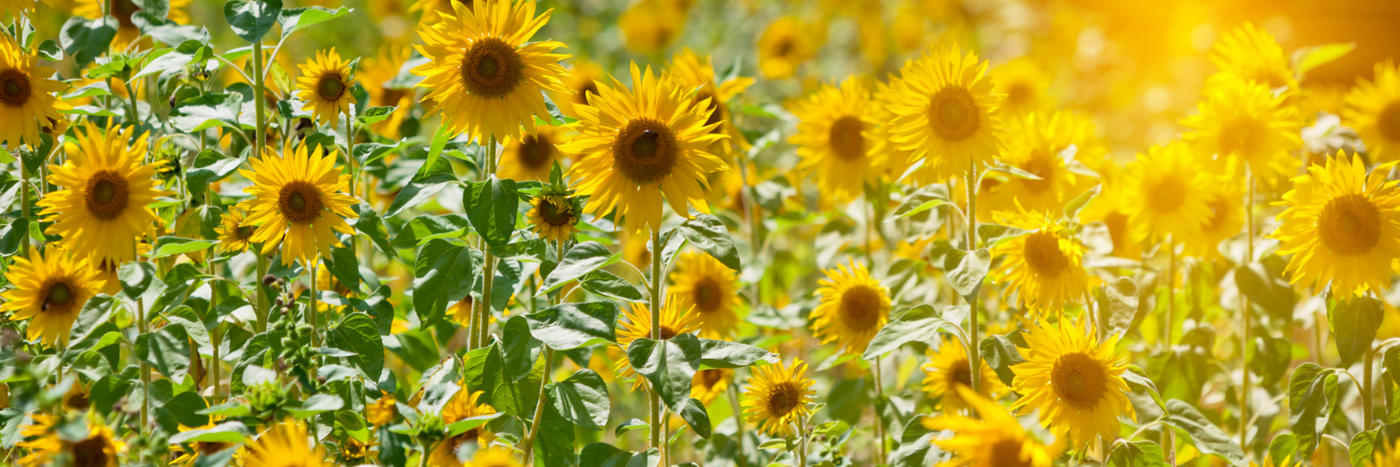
(430, 9)
(49, 290)
(945, 112)
(1388, 455)
(1225, 198)
(464, 405)
(26, 104)
(1244, 120)
(650, 26)
(710, 290)
(1251, 54)
(992, 438)
(381, 412)
(462, 310)
(1373, 109)
(710, 383)
(102, 210)
(297, 201)
(286, 444)
(187, 457)
(1034, 143)
(692, 72)
(582, 81)
(485, 75)
(123, 10)
(325, 84)
(1043, 269)
(834, 139)
(1341, 226)
(1164, 193)
(1025, 84)
(674, 322)
(1073, 381)
(777, 397)
(635, 145)
(76, 399)
(376, 75)
(233, 235)
(99, 448)
(555, 217)
(784, 46)
(530, 157)
(854, 307)
(949, 372)
(494, 457)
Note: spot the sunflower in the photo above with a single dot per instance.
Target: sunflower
(297, 201)
(123, 10)
(462, 310)
(555, 217)
(381, 412)
(948, 372)
(233, 235)
(76, 399)
(891, 161)
(189, 456)
(464, 405)
(710, 289)
(650, 26)
(1226, 202)
(1388, 455)
(854, 307)
(99, 448)
(102, 210)
(1043, 268)
(1025, 85)
(691, 72)
(945, 112)
(325, 84)
(1373, 109)
(484, 74)
(1164, 193)
(710, 383)
(532, 156)
(1342, 226)
(777, 397)
(25, 100)
(431, 9)
(993, 438)
(1034, 144)
(581, 82)
(49, 290)
(286, 444)
(634, 145)
(1073, 381)
(1250, 54)
(784, 46)
(494, 457)
(1243, 119)
(376, 75)
(674, 322)
(834, 139)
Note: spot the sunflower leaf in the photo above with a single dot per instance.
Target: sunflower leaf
(442, 275)
(432, 177)
(609, 285)
(250, 21)
(86, 39)
(710, 235)
(573, 325)
(1119, 299)
(1208, 437)
(493, 211)
(716, 353)
(296, 19)
(970, 270)
(669, 365)
(1354, 323)
(1136, 454)
(1312, 396)
(358, 333)
(919, 324)
(925, 198)
(697, 418)
(581, 399)
(580, 260)
(1076, 205)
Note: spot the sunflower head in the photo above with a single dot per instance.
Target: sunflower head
(1163, 193)
(949, 370)
(26, 102)
(555, 217)
(1243, 119)
(710, 289)
(464, 405)
(854, 307)
(50, 290)
(233, 235)
(381, 412)
(777, 397)
(674, 322)
(710, 383)
(784, 46)
(189, 454)
(298, 202)
(376, 74)
(99, 448)
(1251, 54)
(1025, 85)
(1038, 143)
(835, 138)
(1386, 456)
(533, 155)
(993, 438)
(1043, 268)
(285, 444)
(325, 84)
(945, 111)
(1225, 198)
(1373, 109)
(694, 72)
(1073, 381)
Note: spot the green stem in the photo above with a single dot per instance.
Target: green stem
(1246, 388)
(655, 415)
(145, 369)
(803, 434)
(263, 308)
(738, 421)
(311, 313)
(23, 204)
(527, 446)
(974, 358)
(879, 423)
(489, 268)
(1367, 395)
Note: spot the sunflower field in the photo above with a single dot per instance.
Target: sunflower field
(699, 233)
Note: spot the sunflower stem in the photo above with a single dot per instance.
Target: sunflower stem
(145, 369)
(262, 308)
(311, 314)
(527, 446)
(1245, 313)
(1366, 390)
(483, 322)
(879, 422)
(1171, 292)
(974, 343)
(23, 204)
(655, 415)
(738, 421)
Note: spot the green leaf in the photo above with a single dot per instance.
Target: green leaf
(208, 111)
(136, 277)
(358, 333)
(12, 236)
(916, 448)
(1077, 205)
(231, 432)
(431, 178)
(998, 166)
(171, 61)
(595, 454)
(924, 199)
(581, 399)
(374, 115)
(695, 415)
(372, 226)
(1118, 304)
(209, 166)
(1308, 58)
(669, 365)
(971, 270)
(556, 444)
(251, 20)
(573, 325)
(993, 234)
(370, 152)
(609, 285)
(172, 246)
(919, 324)
(1136, 454)
(167, 350)
(727, 354)
(1208, 438)
(316, 404)
(493, 211)
(86, 39)
(427, 227)
(296, 19)
(1285, 446)
(50, 51)
(580, 260)
(1363, 446)
(521, 348)
(1312, 396)
(185, 407)
(1000, 354)
(1354, 324)
(1266, 289)
(485, 370)
(711, 236)
(442, 276)
(344, 266)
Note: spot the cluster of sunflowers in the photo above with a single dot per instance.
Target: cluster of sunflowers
(472, 249)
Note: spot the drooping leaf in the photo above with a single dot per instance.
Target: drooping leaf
(573, 325)
(580, 260)
(581, 399)
(1354, 325)
(1207, 437)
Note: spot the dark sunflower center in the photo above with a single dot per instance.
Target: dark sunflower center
(1241, 136)
(14, 87)
(554, 215)
(245, 231)
(208, 448)
(645, 151)
(581, 94)
(783, 398)
(106, 194)
(711, 377)
(1019, 94)
(785, 47)
(960, 374)
(491, 68)
(390, 96)
(846, 139)
(1079, 379)
(666, 333)
(1389, 122)
(77, 401)
(1219, 212)
(536, 152)
(1043, 255)
(300, 202)
(1117, 223)
(860, 308)
(331, 87)
(952, 113)
(1007, 453)
(707, 295)
(91, 452)
(1165, 196)
(1350, 225)
(59, 294)
(1041, 166)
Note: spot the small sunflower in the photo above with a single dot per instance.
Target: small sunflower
(993, 438)
(1043, 268)
(464, 405)
(533, 155)
(462, 310)
(49, 290)
(834, 138)
(581, 82)
(1034, 144)
(376, 75)
(710, 290)
(1373, 109)
(854, 307)
(945, 112)
(1073, 381)
(636, 145)
(1342, 226)
(650, 26)
(949, 372)
(484, 73)
(189, 456)
(99, 448)
(1025, 85)
(1251, 54)
(1164, 193)
(325, 84)
(297, 201)
(123, 10)
(674, 322)
(1225, 198)
(777, 397)
(692, 72)
(102, 210)
(1243, 119)
(381, 412)
(784, 46)
(76, 399)
(233, 235)
(356, 452)
(710, 383)
(286, 444)
(26, 102)
(555, 216)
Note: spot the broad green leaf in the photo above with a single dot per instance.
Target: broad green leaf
(1077, 205)
(1354, 325)
(375, 115)
(669, 365)
(344, 266)
(994, 234)
(609, 285)
(316, 404)
(358, 333)
(209, 166)
(251, 20)
(556, 444)
(231, 432)
(580, 260)
(371, 225)
(595, 454)
(1363, 446)
(581, 399)
(1284, 446)
(296, 19)
(172, 246)
(1136, 454)
(1308, 58)
(442, 276)
(1207, 437)
(493, 209)
(521, 348)
(919, 324)
(166, 350)
(1001, 167)
(1312, 396)
(1118, 304)
(697, 418)
(1266, 288)
(86, 39)
(727, 354)
(1000, 354)
(208, 111)
(916, 448)
(12, 236)
(427, 227)
(432, 177)
(573, 325)
(925, 198)
(485, 370)
(711, 236)
(136, 278)
(966, 278)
